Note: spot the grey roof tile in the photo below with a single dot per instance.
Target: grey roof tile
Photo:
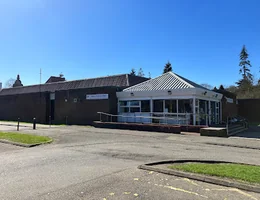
(123, 80)
(167, 81)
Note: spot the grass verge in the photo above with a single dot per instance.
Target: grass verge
(24, 138)
(254, 124)
(240, 172)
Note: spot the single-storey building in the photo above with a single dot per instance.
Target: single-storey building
(60, 101)
(169, 98)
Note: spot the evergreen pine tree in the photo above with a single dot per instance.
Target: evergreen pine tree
(167, 67)
(221, 87)
(133, 72)
(247, 77)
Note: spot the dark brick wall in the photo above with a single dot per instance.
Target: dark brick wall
(28, 106)
(249, 109)
(83, 111)
(24, 106)
(229, 109)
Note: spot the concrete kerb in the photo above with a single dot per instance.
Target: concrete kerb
(199, 177)
(232, 145)
(15, 125)
(24, 145)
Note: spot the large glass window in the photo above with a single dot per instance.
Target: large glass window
(203, 112)
(158, 106)
(145, 106)
(170, 106)
(124, 109)
(185, 106)
(134, 103)
(217, 112)
(134, 109)
(123, 103)
(129, 106)
(213, 112)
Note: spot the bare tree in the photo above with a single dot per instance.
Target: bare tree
(205, 85)
(9, 83)
(140, 72)
(232, 88)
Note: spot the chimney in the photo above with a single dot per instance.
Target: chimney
(18, 82)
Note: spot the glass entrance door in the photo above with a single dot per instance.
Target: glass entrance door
(203, 112)
(213, 112)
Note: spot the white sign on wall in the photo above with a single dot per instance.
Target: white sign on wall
(96, 96)
(229, 100)
(52, 96)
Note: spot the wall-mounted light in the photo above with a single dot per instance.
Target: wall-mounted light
(205, 92)
(132, 94)
(66, 100)
(169, 92)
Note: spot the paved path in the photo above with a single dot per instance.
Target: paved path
(89, 163)
(12, 126)
(252, 132)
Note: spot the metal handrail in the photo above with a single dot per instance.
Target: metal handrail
(227, 126)
(147, 117)
(177, 118)
(111, 115)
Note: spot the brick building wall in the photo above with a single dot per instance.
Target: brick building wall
(68, 103)
(78, 110)
(24, 106)
(229, 109)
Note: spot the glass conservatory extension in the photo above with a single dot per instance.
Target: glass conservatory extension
(170, 111)
(187, 104)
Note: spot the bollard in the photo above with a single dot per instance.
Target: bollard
(18, 124)
(50, 121)
(34, 123)
(66, 120)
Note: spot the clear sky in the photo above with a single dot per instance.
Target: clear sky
(90, 38)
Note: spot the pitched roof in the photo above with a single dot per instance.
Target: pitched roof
(123, 80)
(225, 93)
(54, 79)
(167, 81)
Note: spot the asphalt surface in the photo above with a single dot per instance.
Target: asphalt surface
(88, 163)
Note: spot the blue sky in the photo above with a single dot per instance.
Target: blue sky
(90, 38)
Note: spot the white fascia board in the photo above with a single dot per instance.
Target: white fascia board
(154, 98)
(208, 95)
(157, 93)
(175, 94)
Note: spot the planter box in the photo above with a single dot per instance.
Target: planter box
(215, 132)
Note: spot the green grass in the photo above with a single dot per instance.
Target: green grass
(248, 173)
(24, 138)
(254, 124)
